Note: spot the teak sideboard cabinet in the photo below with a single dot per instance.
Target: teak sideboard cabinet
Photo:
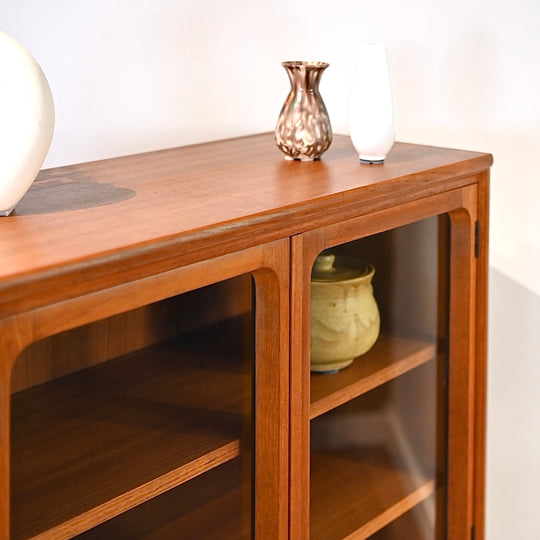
(155, 348)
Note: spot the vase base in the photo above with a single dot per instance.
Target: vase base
(368, 161)
(5, 213)
(330, 366)
(289, 158)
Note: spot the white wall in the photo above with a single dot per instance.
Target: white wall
(135, 75)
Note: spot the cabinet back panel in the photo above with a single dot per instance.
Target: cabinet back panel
(407, 264)
(109, 338)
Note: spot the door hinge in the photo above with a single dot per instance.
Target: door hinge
(477, 239)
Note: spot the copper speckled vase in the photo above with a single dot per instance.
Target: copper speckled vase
(303, 129)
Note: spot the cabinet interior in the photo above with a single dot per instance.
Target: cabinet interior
(110, 415)
(377, 430)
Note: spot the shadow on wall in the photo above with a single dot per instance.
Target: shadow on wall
(513, 434)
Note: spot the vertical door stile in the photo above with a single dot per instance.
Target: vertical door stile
(304, 249)
(5, 376)
(13, 334)
(272, 393)
(461, 409)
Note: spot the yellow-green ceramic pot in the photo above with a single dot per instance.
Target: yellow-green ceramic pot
(345, 319)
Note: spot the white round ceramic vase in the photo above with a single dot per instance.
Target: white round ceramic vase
(26, 121)
(371, 113)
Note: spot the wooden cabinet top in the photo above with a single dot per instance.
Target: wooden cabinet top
(173, 207)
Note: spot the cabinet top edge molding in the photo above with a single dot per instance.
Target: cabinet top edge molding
(224, 195)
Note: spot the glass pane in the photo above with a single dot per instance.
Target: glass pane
(150, 409)
(378, 431)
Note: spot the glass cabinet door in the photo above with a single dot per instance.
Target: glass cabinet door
(156, 408)
(142, 421)
(378, 429)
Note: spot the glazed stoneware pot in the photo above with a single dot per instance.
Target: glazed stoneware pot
(345, 319)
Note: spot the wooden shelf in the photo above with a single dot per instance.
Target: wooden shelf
(91, 445)
(390, 357)
(216, 503)
(404, 527)
(355, 493)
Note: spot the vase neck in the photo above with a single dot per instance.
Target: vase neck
(305, 76)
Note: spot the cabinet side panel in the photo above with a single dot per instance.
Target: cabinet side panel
(481, 356)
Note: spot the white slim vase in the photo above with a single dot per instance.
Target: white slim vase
(371, 114)
(27, 121)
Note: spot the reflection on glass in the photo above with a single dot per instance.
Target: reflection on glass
(154, 436)
(378, 431)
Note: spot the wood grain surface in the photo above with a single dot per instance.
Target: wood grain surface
(97, 224)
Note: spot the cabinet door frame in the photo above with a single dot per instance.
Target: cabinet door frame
(466, 358)
(269, 266)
